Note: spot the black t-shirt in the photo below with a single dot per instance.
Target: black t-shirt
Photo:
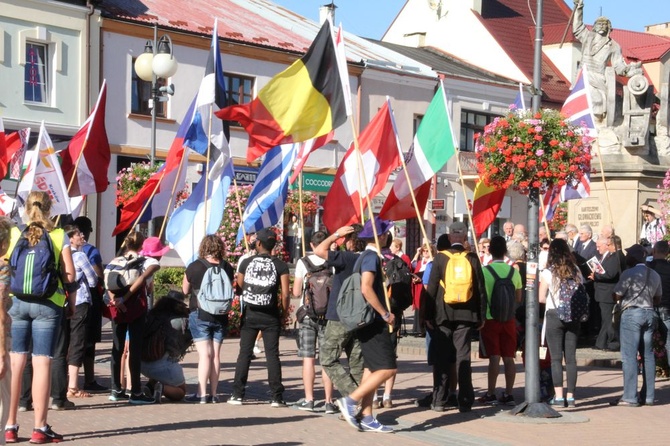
(261, 282)
(194, 274)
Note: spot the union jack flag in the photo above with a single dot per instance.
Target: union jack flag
(578, 107)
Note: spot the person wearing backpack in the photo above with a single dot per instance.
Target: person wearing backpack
(561, 335)
(207, 329)
(498, 335)
(54, 280)
(312, 285)
(458, 306)
(130, 305)
(375, 338)
(265, 297)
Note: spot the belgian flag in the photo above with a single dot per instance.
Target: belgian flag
(304, 101)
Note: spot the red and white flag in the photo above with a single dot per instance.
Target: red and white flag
(380, 154)
(578, 107)
(91, 144)
(304, 149)
(12, 150)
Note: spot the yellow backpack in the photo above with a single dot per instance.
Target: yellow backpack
(457, 281)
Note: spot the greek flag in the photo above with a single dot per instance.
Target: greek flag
(266, 201)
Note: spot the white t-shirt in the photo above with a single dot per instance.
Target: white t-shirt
(301, 269)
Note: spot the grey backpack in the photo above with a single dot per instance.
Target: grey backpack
(352, 308)
(215, 295)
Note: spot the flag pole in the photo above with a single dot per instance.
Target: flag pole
(170, 203)
(209, 154)
(602, 176)
(409, 182)
(74, 174)
(239, 210)
(359, 161)
(302, 215)
(361, 174)
(146, 205)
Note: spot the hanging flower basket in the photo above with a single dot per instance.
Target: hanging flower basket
(309, 204)
(526, 150)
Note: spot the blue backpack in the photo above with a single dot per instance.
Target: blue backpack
(215, 295)
(34, 273)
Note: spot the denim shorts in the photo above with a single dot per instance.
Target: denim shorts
(204, 330)
(165, 371)
(36, 322)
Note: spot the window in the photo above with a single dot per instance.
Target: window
(239, 89)
(141, 95)
(36, 70)
(471, 124)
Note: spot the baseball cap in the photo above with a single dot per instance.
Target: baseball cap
(266, 236)
(637, 252)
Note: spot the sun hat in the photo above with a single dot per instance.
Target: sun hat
(153, 247)
(381, 225)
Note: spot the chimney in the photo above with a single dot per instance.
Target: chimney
(327, 10)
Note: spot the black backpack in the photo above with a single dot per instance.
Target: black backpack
(399, 282)
(318, 283)
(502, 301)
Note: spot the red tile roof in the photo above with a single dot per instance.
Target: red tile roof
(512, 24)
(259, 23)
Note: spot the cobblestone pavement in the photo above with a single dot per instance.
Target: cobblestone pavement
(97, 421)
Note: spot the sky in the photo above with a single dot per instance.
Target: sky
(371, 18)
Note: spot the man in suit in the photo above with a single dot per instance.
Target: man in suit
(604, 283)
(584, 246)
(572, 236)
(584, 250)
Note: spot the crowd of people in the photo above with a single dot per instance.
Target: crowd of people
(54, 302)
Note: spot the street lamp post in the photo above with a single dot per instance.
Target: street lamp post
(157, 61)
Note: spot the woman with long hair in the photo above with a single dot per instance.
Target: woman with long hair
(208, 330)
(37, 321)
(135, 296)
(561, 336)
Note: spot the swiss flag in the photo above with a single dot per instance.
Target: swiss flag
(380, 155)
(88, 154)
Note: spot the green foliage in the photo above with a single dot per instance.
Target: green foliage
(167, 279)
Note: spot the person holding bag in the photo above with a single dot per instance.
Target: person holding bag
(37, 308)
(638, 291)
(128, 308)
(561, 336)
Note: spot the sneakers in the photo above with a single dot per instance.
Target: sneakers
(42, 436)
(194, 398)
(257, 349)
(93, 386)
(141, 399)
(488, 399)
(507, 400)
(349, 412)
(305, 405)
(158, 393)
(331, 408)
(374, 426)
(213, 399)
(387, 404)
(25, 408)
(118, 395)
(279, 402)
(235, 401)
(12, 434)
(571, 402)
(65, 405)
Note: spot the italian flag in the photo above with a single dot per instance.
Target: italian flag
(433, 146)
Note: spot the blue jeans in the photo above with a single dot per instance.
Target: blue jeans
(637, 329)
(36, 322)
(205, 330)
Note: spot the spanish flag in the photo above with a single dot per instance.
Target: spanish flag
(485, 206)
(304, 101)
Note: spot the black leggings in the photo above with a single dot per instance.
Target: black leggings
(562, 341)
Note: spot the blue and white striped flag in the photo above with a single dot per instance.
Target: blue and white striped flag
(266, 201)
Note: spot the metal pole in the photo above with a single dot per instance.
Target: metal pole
(532, 407)
(154, 100)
